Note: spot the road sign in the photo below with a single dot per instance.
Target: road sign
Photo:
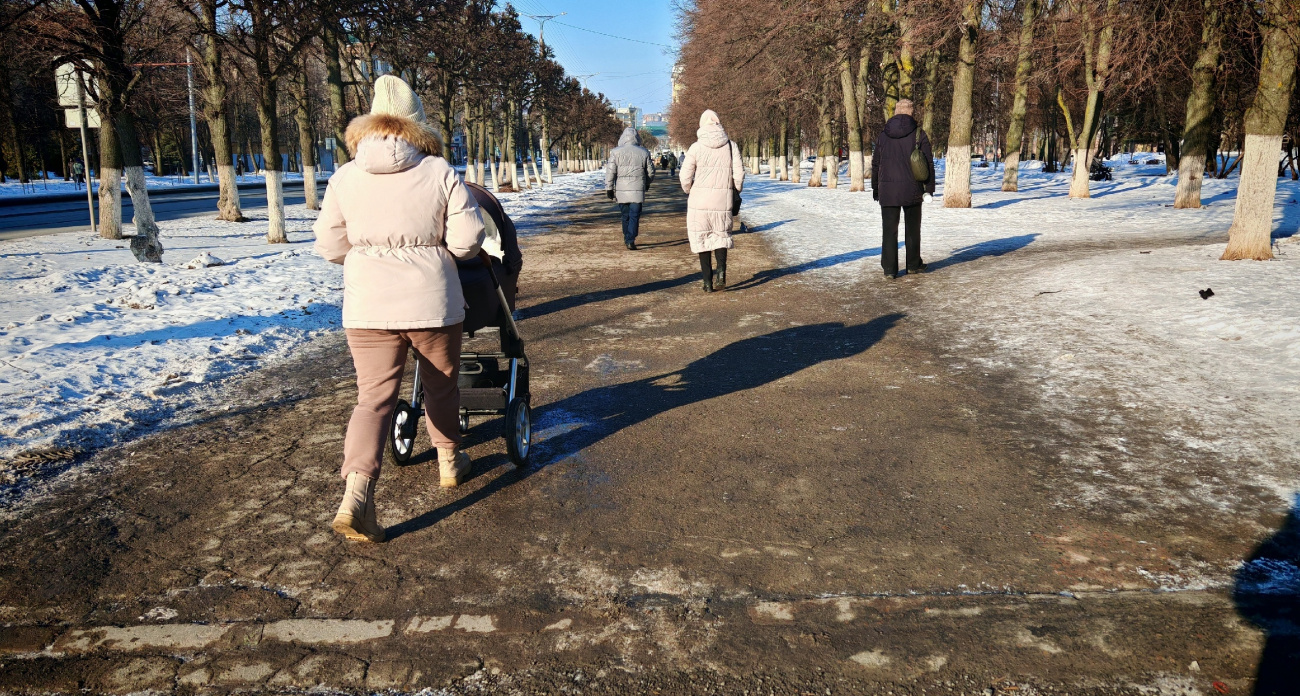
(72, 117)
(65, 81)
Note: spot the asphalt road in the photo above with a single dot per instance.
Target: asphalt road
(37, 218)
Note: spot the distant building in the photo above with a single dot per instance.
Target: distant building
(655, 120)
(630, 116)
(677, 82)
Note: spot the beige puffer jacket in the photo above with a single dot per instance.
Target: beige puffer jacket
(712, 166)
(397, 218)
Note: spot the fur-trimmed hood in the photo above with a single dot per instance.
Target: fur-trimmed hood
(382, 143)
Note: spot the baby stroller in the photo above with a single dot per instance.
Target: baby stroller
(487, 386)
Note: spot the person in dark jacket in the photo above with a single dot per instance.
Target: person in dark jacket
(896, 189)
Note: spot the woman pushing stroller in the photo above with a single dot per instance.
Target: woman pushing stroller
(398, 218)
(713, 175)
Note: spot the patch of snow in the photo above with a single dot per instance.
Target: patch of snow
(1094, 304)
(95, 347)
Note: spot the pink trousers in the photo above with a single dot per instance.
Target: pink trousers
(380, 359)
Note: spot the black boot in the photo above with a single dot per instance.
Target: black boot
(720, 275)
(706, 271)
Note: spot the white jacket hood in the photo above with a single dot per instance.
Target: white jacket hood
(387, 154)
(711, 134)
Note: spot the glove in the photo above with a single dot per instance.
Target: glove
(926, 197)
(875, 195)
(610, 195)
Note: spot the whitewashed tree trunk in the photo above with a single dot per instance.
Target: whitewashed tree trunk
(110, 203)
(1191, 172)
(309, 187)
(956, 177)
(795, 172)
(496, 178)
(144, 245)
(1079, 175)
(833, 171)
(537, 175)
(228, 207)
(275, 231)
(866, 165)
(1250, 237)
(815, 181)
(478, 173)
(857, 172)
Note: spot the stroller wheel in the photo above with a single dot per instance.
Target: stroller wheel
(464, 423)
(519, 431)
(401, 440)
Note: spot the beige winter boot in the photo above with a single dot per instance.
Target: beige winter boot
(356, 516)
(453, 466)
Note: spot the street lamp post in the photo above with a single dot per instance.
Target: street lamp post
(546, 140)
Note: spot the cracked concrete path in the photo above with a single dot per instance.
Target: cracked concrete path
(774, 489)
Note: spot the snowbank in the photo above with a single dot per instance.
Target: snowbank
(94, 346)
(1094, 304)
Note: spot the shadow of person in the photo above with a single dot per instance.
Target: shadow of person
(566, 427)
(992, 247)
(585, 419)
(772, 274)
(1267, 594)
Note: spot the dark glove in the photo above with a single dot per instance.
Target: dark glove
(875, 195)
(610, 195)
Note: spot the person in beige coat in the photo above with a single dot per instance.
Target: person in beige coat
(711, 170)
(397, 218)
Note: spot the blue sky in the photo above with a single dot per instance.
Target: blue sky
(629, 72)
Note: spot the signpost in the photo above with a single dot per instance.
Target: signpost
(72, 93)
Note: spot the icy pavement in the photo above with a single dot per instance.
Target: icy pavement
(1095, 304)
(95, 347)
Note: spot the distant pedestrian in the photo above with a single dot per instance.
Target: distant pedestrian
(398, 217)
(628, 174)
(899, 189)
(672, 165)
(713, 176)
(78, 173)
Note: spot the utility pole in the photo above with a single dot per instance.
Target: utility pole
(194, 126)
(546, 141)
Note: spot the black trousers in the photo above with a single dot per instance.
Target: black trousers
(912, 237)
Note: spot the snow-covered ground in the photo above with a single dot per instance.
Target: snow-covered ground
(1095, 304)
(94, 345)
(56, 185)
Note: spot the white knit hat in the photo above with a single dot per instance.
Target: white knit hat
(395, 98)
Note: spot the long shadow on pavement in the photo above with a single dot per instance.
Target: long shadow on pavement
(578, 422)
(1267, 594)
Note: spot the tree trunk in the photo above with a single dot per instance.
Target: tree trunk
(1096, 72)
(1252, 223)
(145, 244)
(956, 175)
(931, 85)
(306, 143)
(214, 113)
(267, 118)
(1016, 129)
(334, 87)
(825, 135)
(110, 179)
(1200, 110)
(852, 124)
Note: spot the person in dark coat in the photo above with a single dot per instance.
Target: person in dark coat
(897, 190)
